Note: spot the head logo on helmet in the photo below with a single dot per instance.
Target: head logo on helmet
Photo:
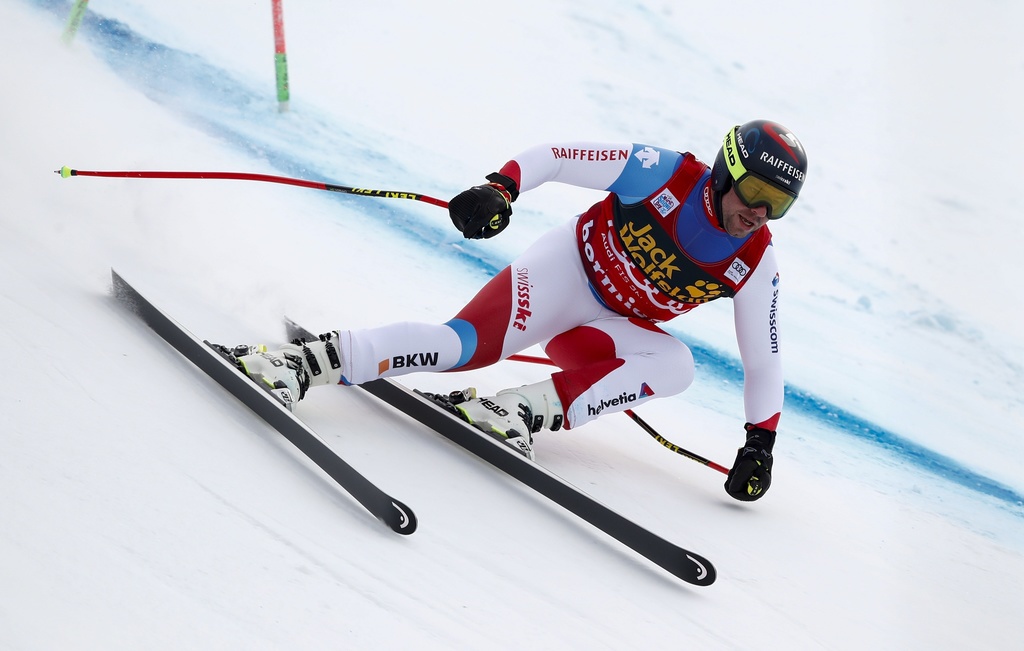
(764, 162)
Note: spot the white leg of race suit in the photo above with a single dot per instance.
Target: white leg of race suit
(546, 296)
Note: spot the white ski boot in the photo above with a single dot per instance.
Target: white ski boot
(514, 415)
(291, 370)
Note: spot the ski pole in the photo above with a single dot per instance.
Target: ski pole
(66, 171)
(672, 446)
(644, 425)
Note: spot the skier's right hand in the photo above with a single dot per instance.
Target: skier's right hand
(751, 473)
(484, 210)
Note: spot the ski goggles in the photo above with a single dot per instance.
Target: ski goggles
(753, 189)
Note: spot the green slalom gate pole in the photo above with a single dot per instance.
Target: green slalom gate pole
(280, 58)
(74, 20)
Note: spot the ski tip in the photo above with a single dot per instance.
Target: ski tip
(699, 570)
(401, 519)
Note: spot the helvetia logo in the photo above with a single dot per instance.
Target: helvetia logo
(622, 399)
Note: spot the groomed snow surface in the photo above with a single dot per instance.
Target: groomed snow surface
(143, 508)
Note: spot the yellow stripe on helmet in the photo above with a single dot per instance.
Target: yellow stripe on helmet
(732, 155)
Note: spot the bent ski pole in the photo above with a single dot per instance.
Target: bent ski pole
(644, 425)
(66, 171)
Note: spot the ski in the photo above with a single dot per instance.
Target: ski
(682, 563)
(392, 512)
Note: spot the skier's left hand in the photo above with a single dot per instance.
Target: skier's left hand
(483, 211)
(751, 473)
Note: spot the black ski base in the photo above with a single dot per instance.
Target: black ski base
(396, 515)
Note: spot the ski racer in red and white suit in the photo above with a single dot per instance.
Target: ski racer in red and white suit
(670, 235)
(592, 291)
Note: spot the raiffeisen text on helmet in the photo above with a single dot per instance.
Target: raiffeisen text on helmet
(782, 166)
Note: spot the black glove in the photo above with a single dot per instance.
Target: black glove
(751, 473)
(483, 211)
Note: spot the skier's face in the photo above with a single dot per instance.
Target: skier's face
(738, 219)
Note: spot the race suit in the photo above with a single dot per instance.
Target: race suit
(592, 291)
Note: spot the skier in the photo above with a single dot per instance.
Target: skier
(671, 234)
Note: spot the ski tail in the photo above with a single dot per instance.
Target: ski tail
(398, 516)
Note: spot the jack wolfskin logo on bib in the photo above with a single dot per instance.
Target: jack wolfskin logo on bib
(653, 257)
(665, 203)
(656, 260)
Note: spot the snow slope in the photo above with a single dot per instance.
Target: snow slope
(143, 509)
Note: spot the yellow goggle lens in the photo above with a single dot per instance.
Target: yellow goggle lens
(755, 191)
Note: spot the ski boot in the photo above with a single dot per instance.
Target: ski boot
(512, 416)
(289, 372)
